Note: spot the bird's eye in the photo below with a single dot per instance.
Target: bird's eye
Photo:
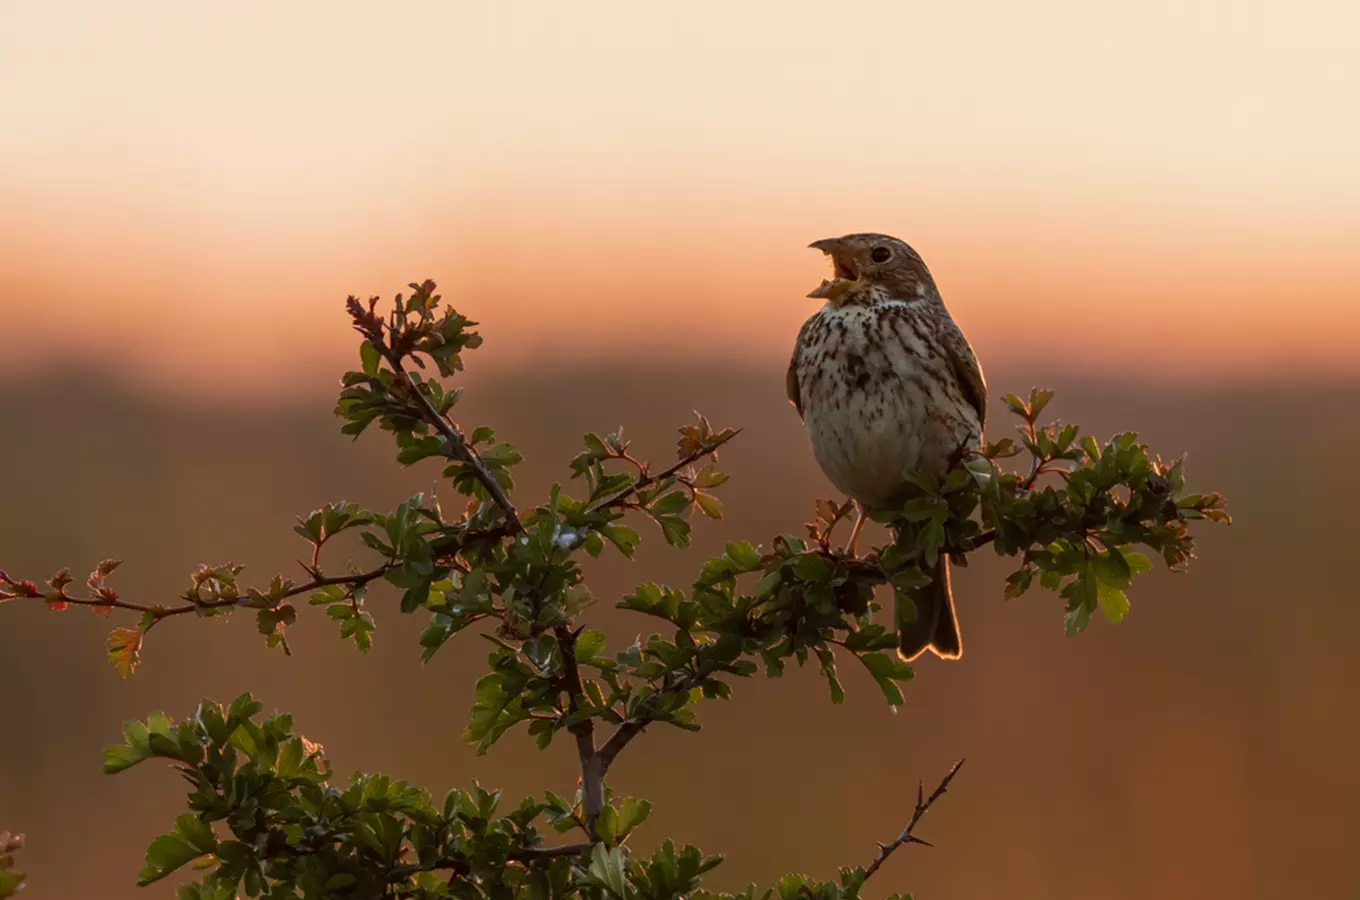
(880, 254)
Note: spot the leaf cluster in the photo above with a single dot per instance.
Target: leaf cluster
(265, 819)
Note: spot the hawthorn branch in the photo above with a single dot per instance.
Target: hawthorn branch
(595, 761)
(923, 804)
(624, 734)
(645, 479)
(461, 867)
(27, 590)
(592, 764)
(621, 737)
(459, 448)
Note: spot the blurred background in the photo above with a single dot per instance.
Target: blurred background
(1153, 211)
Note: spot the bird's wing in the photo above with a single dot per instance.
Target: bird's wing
(966, 368)
(791, 379)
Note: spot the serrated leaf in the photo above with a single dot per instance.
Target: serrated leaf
(124, 647)
(670, 504)
(709, 505)
(675, 530)
(1113, 602)
(622, 537)
(166, 854)
(609, 870)
(589, 643)
(743, 554)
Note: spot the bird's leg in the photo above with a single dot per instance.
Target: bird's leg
(854, 535)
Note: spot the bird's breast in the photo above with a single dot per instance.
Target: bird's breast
(880, 401)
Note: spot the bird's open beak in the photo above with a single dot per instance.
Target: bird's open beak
(844, 271)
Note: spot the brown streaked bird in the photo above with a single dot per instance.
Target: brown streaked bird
(887, 387)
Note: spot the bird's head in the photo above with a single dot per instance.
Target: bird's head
(871, 268)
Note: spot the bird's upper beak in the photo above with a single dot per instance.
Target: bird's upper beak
(844, 270)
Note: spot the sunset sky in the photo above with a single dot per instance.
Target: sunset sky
(191, 187)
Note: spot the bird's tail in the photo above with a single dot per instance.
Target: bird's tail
(936, 627)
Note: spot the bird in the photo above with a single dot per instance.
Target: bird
(888, 389)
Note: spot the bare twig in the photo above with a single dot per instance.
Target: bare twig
(923, 803)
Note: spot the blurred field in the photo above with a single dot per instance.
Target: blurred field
(1203, 749)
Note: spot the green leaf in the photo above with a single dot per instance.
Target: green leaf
(1137, 562)
(622, 537)
(371, 358)
(828, 661)
(196, 832)
(1038, 399)
(1077, 619)
(166, 854)
(120, 757)
(589, 643)
(743, 554)
(675, 530)
(887, 671)
(1113, 602)
(632, 813)
(671, 504)
(609, 870)
(813, 568)
(709, 505)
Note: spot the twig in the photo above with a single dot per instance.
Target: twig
(357, 579)
(624, 734)
(620, 739)
(645, 480)
(984, 539)
(592, 766)
(458, 446)
(551, 852)
(923, 803)
(460, 866)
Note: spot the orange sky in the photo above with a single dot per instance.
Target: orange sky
(199, 184)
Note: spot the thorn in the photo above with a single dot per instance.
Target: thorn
(913, 839)
(920, 793)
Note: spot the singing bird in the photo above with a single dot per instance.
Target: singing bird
(888, 387)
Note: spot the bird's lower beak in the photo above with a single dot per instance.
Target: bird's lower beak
(844, 271)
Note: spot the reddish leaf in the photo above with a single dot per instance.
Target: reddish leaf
(125, 650)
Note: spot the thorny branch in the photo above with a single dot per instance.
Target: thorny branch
(923, 803)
